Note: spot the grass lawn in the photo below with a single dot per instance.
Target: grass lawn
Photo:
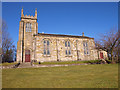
(82, 76)
(7, 64)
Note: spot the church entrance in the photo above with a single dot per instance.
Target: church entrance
(27, 55)
(101, 55)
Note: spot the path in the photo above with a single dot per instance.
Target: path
(28, 65)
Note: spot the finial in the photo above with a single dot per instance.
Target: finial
(83, 34)
(22, 12)
(36, 13)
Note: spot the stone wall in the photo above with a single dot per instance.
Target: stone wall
(57, 48)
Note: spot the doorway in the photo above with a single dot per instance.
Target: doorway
(27, 55)
(101, 55)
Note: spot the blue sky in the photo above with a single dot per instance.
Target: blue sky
(92, 18)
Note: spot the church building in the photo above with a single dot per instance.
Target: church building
(43, 47)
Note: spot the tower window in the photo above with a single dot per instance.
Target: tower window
(28, 27)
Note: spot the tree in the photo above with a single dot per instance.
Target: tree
(8, 49)
(0, 41)
(109, 42)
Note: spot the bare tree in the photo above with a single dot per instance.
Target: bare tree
(109, 42)
(0, 40)
(8, 49)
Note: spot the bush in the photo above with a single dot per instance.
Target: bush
(108, 61)
(93, 61)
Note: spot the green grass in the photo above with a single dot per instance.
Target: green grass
(80, 76)
(67, 62)
(7, 64)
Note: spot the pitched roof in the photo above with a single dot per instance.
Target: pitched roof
(62, 35)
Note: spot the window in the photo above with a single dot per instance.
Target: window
(85, 45)
(65, 44)
(28, 27)
(68, 44)
(69, 52)
(46, 47)
(67, 47)
(66, 52)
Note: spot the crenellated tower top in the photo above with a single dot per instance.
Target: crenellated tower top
(28, 16)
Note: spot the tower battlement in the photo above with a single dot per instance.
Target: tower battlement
(28, 16)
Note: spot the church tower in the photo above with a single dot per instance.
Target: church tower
(28, 27)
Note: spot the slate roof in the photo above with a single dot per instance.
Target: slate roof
(62, 35)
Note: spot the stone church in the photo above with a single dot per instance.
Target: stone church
(52, 47)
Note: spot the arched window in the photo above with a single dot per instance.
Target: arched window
(68, 44)
(28, 27)
(85, 45)
(67, 48)
(46, 47)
